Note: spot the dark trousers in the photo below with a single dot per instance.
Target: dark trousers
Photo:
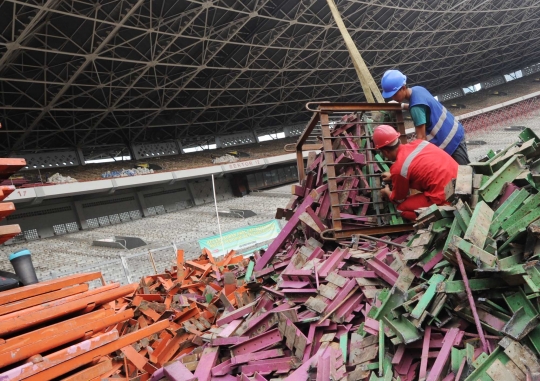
(460, 155)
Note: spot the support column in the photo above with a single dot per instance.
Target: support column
(142, 203)
(79, 213)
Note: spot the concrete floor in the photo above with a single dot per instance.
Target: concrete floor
(71, 253)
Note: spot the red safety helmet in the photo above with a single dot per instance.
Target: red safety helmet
(384, 135)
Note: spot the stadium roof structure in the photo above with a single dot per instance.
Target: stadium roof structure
(96, 74)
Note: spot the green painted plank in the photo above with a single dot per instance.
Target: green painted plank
(343, 344)
(458, 286)
(249, 271)
(428, 296)
(455, 229)
(507, 173)
(524, 222)
(381, 346)
(529, 204)
(511, 204)
(478, 228)
(517, 301)
(474, 251)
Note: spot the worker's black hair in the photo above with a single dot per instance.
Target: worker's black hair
(394, 147)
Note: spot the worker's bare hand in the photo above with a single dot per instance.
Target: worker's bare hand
(386, 177)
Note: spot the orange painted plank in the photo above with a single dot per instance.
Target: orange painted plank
(44, 298)
(196, 265)
(172, 347)
(116, 366)
(50, 337)
(91, 372)
(9, 166)
(235, 260)
(135, 357)
(7, 232)
(151, 313)
(10, 296)
(57, 302)
(6, 208)
(20, 320)
(150, 297)
(57, 358)
(87, 357)
(5, 191)
(142, 322)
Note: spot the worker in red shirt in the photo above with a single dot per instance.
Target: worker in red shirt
(419, 165)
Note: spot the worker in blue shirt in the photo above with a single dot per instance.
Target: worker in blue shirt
(432, 121)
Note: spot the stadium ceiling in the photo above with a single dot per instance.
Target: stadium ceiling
(101, 73)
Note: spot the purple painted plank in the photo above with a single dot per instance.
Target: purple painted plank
(433, 261)
(267, 366)
(323, 367)
(315, 163)
(317, 253)
(255, 320)
(507, 192)
(263, 272)
(206, 363)
(357, 274)
(223, 369)
(332, 262)
(400, 351)
(299, 291)
(283, 235)
(355, 217)
(236, 314)
(281, 265)
(425, 351)
(383, 270)
(271, 353)
(230, 328)
(228, 340)
(301, 373)
(341, 295)
(158, 375)
(348, 307)
(176, 371)
(450, 377)
(257, 343)
(293, 284)
(258, 377)
(444, 354)
(316, 219)
(228, 377)
(293, 272)
(324, 209)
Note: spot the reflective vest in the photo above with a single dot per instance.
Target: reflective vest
(442, 129)
(407, 163)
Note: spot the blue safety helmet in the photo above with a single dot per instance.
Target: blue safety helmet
(391, 82)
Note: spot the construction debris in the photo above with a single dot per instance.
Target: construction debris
(457, 298)
(127, 172)
(224, 159)
(57, 178)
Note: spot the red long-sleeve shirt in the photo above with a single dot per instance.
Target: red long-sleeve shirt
(429, 172)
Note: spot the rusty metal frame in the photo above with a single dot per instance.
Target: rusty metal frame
(321, 117)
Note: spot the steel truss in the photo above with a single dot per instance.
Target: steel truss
(93, 74)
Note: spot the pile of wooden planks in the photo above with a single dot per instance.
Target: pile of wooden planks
(457, 298)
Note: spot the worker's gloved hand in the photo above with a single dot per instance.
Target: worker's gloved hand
(386, 192)
(386, 177)
(404, 106)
